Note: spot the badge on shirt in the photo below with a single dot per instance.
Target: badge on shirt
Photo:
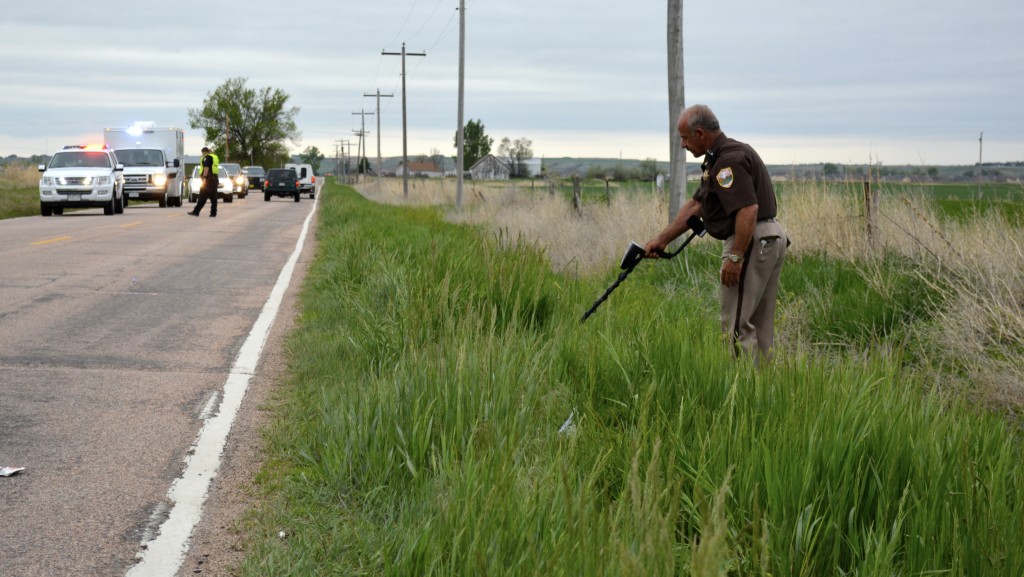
(724, 177)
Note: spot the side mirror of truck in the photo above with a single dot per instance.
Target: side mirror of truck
(176, 163)
(119, 167)
(42, 168)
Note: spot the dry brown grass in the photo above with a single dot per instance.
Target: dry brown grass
(978, 265)
(578, 243)
(18, 176)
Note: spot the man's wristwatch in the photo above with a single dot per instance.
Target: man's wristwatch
(734, 258)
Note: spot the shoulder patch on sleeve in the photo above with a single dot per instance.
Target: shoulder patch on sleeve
(725, 177)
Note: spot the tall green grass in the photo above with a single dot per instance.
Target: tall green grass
(19, 190)
(425, 428)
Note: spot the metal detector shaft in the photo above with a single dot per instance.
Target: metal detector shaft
(608, 291)
(635, 254)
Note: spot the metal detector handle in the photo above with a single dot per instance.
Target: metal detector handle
(696, 229)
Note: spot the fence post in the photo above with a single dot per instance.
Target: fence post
(607, 193)
(577, 201)
(870, 202)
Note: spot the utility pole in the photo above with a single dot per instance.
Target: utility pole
(345, 156)
(360, 151)
(405, 139)
(362, 132)
(337, 159)
(460, 138)
(379, 96)
(981, 170)
(676, 102)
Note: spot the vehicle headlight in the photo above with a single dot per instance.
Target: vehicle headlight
(239, 180)
(101, 180)
(46, 181)
(159, 179)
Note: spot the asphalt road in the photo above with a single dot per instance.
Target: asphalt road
(116, 335)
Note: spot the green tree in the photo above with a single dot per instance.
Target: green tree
(247, 124)
(517, 152)
(476, 144)
(830, 170)
(312, 156)
(648, 169)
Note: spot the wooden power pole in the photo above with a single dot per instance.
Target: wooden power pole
(379, 96)
(460, 142)
(676, 103)
(405, 131)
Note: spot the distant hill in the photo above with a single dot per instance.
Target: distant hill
(567, 167)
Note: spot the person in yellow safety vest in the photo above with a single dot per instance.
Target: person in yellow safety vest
(209, 169)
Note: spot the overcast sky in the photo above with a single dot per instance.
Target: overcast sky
(890, 81)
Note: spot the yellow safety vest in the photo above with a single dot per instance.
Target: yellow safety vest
(215, 169)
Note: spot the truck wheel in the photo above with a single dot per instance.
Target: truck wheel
(58, 210)
(266, 197)
(45, 210)
(120, 204)
(163, 201)
(109, 208)
(297, 196)
(230, 198)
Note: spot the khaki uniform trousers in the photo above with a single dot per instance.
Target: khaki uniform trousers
(748, 309)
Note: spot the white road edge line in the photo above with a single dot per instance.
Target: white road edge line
(163, 556)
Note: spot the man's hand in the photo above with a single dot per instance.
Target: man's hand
(652, 248)
(731, 272)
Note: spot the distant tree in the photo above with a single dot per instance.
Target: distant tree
(437, 159)
(364, 166)
(830, 170)
(517, 152)
(597, 171)
(476, 144)
(246, 124)
(648, 169)
(313, 156)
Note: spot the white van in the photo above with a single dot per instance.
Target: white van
(307, 180)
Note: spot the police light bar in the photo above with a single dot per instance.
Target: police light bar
(86, 147)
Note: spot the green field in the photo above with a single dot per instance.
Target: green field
(19, 202)
(424, 427)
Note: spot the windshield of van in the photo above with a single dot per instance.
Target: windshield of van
(140, 157)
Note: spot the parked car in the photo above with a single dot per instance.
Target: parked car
(255, 175)
(223, 187)
(82, 176)
(281, 182)
(233, 172)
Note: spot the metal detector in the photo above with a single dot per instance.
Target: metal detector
(635, 253)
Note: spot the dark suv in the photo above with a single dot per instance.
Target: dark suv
(281, 182)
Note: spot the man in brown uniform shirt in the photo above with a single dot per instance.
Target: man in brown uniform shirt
(737, 203)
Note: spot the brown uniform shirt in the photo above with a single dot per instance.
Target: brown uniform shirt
(733, 177)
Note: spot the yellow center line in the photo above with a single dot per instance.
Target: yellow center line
(48, 241)
(131, 224)
(176, 215)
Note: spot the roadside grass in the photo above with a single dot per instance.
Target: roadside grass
(19, 190)
(447, 414)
